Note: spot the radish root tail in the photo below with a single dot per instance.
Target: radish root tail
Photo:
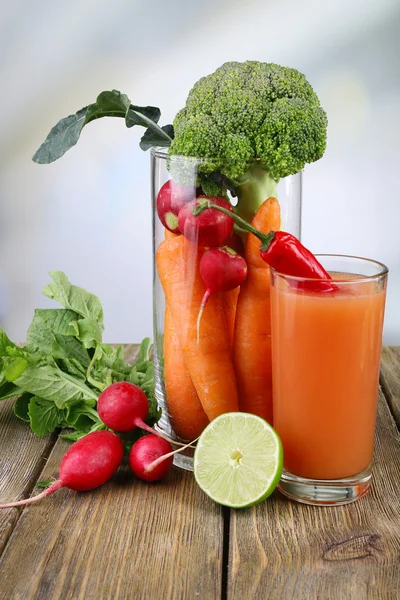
(206, 296)
(160, 459)
(143, 425)
(50, 490)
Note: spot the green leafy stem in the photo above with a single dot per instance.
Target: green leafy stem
(112, 103)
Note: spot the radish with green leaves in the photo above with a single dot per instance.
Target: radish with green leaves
(221, 269)
(207, 229)
(89, 462)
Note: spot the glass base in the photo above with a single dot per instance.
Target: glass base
(325, 492)
(184, 459)
(183, 462)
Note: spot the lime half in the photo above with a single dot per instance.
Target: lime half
(238, 460)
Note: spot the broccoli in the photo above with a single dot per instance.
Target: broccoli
(252, 123)
(258, 122)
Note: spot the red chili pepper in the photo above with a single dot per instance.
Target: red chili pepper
(287, 255)
(284, 253)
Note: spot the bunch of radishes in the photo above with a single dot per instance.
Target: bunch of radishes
(92, 460)
(221, 266)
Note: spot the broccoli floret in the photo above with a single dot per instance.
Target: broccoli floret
(259, 122)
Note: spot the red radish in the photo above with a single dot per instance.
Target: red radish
(144, 452)
(235, 242)
(123, 407)
(221, 269)
(170, 200)
(88, 463)
(211, 227)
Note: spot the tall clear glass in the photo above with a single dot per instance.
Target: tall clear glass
(179, 391)
(326, 349)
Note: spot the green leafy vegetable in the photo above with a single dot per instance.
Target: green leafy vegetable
(51, 332)
(251, 123)
(55, 385)
(74, 436)
(58, 376)
(21, 407)
(112, 103)
(88, 329)
(8, 390)
(15, 368)
(44, 415)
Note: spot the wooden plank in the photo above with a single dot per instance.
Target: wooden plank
(127, 539)
(390, 379)
(282, 549)
(22, 456)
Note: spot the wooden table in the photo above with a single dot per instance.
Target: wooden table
(166, 541)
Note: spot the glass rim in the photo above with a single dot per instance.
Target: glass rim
(162, 152)
(363, 279)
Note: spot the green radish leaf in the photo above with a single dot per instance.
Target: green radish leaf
(88, 332)
(44, 416)
(55, 385)
(8, 390)
(81, 416)
(57, 320)
(155, 411)
(15, 368)
(74, 436)
(144, 350)
(72, 367)
(71, 349)
(52, 333)
(5, 343)
(89, 328)
(21, 407)
(72, 297)
(46, 324)
(142, 374)
(113, 362)
(157, 136)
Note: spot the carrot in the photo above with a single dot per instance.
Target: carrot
(229, 303)
(184, 407)
(208, 361)
(252, 336)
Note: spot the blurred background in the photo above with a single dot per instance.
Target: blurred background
(89, 213)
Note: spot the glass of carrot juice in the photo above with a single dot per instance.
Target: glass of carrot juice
(326, 345)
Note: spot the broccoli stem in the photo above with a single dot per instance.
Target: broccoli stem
(257, 186)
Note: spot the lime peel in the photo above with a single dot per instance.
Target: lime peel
(238, 460)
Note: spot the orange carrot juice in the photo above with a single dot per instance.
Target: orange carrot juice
(326, 354)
